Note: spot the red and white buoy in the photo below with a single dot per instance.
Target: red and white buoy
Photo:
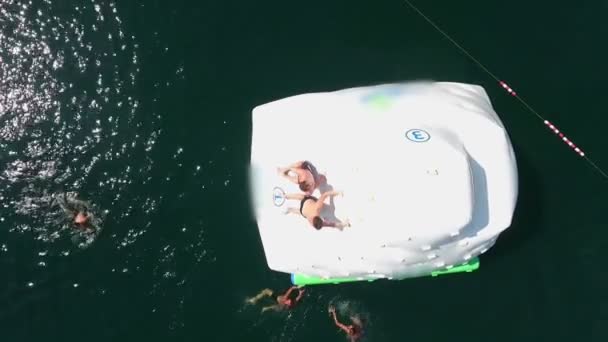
(507, 88)
(564, 138)
(548, 124)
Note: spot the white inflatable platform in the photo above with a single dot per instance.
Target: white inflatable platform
(427, 169)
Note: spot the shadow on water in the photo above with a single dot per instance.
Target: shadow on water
(527, 216)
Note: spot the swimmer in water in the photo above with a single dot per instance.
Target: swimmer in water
(283, 302)
(81, 218)
(354, 331)
(311, 207)
(78, 212)
(304, 174)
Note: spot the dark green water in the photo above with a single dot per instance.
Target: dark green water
(143, 108)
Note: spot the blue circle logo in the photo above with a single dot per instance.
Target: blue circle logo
(278, 196)
(417, 135)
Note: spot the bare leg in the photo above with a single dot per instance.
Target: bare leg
(275, 307)
(338, 225)
(262, 294)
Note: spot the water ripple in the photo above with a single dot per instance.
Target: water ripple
(71, 121)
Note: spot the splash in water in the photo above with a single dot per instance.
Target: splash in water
(350, 312)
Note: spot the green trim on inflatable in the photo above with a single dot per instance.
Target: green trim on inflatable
(469, 266)
(301, 280)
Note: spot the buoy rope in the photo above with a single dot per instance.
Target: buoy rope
(511, 92)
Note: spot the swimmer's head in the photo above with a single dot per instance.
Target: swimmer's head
(306, 181)
(305, 186)
(317, 222)
(81, 218)
(354, 330)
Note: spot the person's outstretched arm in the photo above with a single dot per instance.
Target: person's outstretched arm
(67, 207)
(338, 324)
(300, 294)
(297, 165)
(289, 291)
(285, 173)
